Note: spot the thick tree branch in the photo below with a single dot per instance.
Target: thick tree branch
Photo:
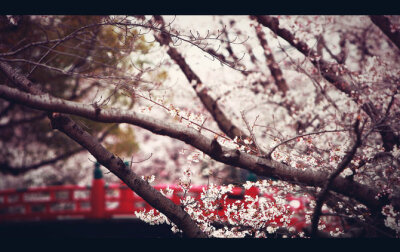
(209, 103)
(387, 27)
(389, 138)
(63, 123)
(260, 166)
(271, 63)
(174, 212)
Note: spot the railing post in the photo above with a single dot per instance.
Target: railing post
(126, 199)
(98, 194)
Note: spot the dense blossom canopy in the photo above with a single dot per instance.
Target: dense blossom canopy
(290, 105)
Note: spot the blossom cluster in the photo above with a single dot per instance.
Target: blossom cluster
(219, 215)
(392, 218)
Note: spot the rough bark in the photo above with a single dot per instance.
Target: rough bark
(389, 138)
(209, 103)
(271, 63)
(259, 165)
(387, 28)
(152, 196)
(65, 124)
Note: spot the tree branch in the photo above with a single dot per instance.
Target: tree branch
(209, 103)
(389, 138)
(22, 121)
(325, 189)
(387, 28)
(175, 213)
(258, 165)
(271, 63)
(63, 123)
(5, 168)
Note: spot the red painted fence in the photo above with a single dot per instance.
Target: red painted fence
(97, 201)
(102, 201)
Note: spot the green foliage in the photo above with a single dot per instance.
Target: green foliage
(125, 144)
(94, 49)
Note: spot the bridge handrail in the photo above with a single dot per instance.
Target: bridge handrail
(100, 201)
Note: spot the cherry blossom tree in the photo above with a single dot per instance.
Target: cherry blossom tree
(309, 104)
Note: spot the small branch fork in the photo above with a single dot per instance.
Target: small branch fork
(201, 126)
(66, 125)
(250, 129)
(269, 155)
(327, 71)
(224, 123)
(258, 165)
(325, 189)
(273, 66)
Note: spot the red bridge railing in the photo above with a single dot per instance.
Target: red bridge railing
(100, 201)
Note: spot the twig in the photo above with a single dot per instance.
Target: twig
(253, 138)
(308, 134)
(342, 165)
